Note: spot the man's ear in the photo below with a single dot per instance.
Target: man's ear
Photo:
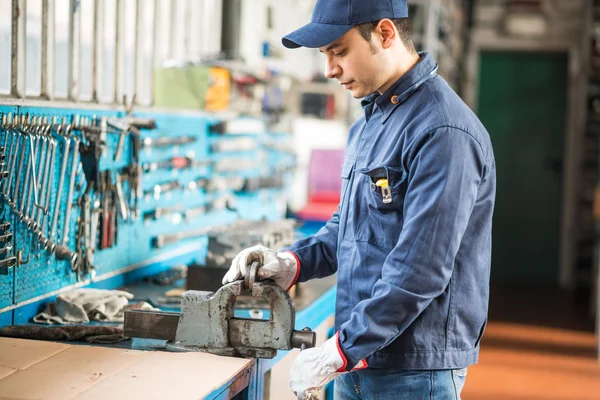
(386, 30)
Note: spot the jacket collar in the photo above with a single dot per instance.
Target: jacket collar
(402, 89)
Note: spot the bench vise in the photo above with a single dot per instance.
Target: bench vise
(207, 324)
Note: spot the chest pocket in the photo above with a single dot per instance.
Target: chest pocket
(381, 202)
(347, 171)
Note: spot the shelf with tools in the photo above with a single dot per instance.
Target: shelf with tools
(90, 195)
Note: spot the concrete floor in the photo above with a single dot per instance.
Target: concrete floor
(539, 345)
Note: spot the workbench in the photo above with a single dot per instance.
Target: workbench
(140, 369)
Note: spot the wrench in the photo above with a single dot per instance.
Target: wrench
(42, 216)
(11, 163)
(123, 206)
(43, 153)
(12, 197)
(6, 250)
(65, 237)
(6, 264)
(19, 209)
(6, 237)
(63, 170)
(4, 122)
(39, 151)
(35, 193)
(87, 221)
(6, 146)
(17, 194)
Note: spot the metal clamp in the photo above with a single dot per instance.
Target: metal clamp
(207, 324)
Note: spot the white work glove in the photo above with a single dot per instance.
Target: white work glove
(283, 267)
(314, 368)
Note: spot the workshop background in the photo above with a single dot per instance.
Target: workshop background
(145, 142)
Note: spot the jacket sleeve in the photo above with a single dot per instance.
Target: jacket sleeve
(317, 254)
(445, 171)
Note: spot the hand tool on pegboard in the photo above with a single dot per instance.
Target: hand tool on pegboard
(9, 150)
(177, 213)
(128, 125)
(85, 246)
(207, 324)
(167, 141)
(234, 145)
(36, 149)
(59, 247)
(39, 216)
(239, 164)
(123, 206)
(160, 241)
(34, 145)
(90, 149)
(135, 172)
(219, 203)
(160, 212)
(109, 204)
(216, 183)
(263, 182)
(162, 188)
(97, 204)
(176, 163)
(7, 261)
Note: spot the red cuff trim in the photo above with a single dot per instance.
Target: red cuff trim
(297, 270)
(362, 364)
(341, 353)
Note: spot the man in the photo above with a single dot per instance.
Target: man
(411, 239)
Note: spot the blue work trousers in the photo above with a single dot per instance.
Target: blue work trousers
(373, 384)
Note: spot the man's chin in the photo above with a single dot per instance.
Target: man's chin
(358, 95)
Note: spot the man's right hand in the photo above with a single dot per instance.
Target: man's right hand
(283, 268)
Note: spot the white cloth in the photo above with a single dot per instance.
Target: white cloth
(314, 368)
(83, 305)
(280, 267)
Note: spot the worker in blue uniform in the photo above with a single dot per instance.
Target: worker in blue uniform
(411, 238)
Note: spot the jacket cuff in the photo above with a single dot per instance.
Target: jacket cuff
(341, 353)
(352, 364)
(297, 269)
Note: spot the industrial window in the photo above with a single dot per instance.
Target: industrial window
(100, 51)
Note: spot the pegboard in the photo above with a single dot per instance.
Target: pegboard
(135, 245)
(6, 281)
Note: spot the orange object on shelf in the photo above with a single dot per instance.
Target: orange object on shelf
(219, 90)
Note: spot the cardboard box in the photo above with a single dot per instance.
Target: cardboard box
(32, 369)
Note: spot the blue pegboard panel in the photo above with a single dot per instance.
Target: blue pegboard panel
(6, 281)
(44, 275)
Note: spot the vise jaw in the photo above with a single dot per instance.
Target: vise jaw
(207, 324)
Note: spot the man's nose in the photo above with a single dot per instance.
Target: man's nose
(331, 70)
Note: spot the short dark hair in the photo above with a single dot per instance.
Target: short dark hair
(402, 24)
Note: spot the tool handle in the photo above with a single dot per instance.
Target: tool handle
(251, 275)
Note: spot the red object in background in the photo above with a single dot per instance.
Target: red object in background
(330, 107)
(324, 185)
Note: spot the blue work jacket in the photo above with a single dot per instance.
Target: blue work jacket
(413, 258)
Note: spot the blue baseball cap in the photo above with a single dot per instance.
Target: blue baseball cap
(331, 19)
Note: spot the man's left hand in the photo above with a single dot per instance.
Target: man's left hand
(314, 368)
